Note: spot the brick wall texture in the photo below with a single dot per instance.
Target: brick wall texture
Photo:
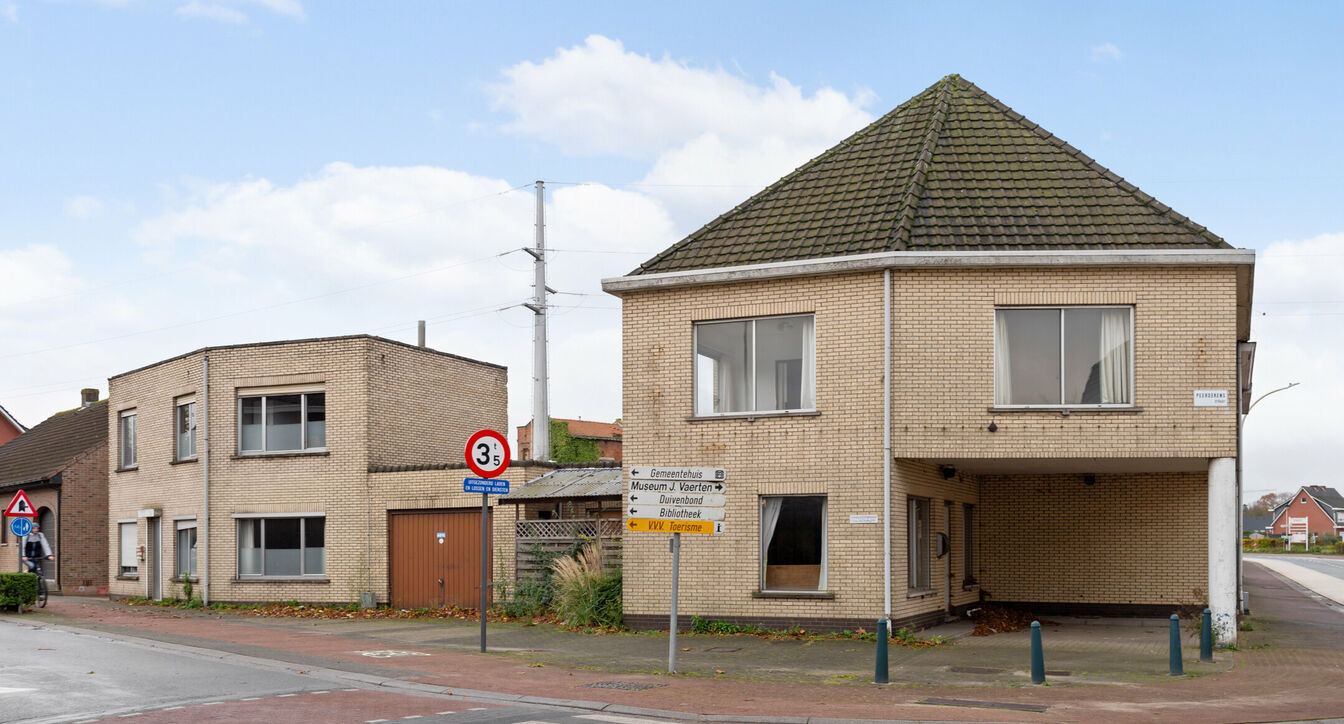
(387, 404)
(1136, 535)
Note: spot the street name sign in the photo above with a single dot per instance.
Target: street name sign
(711, 500)
(485, 485)
(676, 486)
(675, 512)
(20, 507)
(706, 527)
(647, 472)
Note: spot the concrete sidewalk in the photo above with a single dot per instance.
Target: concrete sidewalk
(1102, 670)
(1322, 583)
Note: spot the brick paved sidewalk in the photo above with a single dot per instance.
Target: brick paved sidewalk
(1290, 667)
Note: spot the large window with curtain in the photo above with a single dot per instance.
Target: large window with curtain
(755, 365)
(282, 546)
(793, 543)
(1064, 356)
(282, 422)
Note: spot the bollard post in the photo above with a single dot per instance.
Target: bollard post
(1206, 637)
(1177, 667)
(1037, 657)
(881, 673)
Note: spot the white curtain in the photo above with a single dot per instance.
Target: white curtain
(769, 518)
(1115, 370)
(1003, 380)
(808, 396)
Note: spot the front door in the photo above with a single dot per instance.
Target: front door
(435, 558)
(155, 558)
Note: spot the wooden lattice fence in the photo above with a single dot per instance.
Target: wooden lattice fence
(538, 541)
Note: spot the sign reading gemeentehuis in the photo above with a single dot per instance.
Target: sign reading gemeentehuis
(643, 472)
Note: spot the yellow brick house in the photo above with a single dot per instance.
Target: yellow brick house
(951, 360)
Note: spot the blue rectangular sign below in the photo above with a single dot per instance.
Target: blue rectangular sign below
(485, 485)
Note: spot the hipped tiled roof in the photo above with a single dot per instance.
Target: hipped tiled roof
(46, 449)
(951, 169)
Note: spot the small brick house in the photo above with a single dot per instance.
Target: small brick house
(951, 360)
(9, 427)
(289, 471)
(606, 436)
(1321, 506)
(61, 465)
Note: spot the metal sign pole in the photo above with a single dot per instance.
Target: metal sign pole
(672, 631)
(485, 521)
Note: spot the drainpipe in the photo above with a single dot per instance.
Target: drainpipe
(203, 528)
(1241, 524)
(886, 443)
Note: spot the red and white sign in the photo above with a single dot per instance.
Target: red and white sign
(487, 453)
(21, 507)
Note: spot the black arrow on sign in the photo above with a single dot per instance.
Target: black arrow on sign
(632, 511)
(634, 472)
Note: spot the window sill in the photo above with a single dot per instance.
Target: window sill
(183, 461)
(126, 469)
(920, 592)
(970, 586)
(751, 416)
(128, 578)
(281, 579)
(180, 579)
(1065, 410)
(282, 454)
(813, 595)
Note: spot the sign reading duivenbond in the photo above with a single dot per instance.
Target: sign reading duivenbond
(676, 500)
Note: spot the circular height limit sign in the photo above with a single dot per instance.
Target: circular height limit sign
(487, 453)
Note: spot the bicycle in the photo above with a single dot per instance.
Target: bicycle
(36, 567)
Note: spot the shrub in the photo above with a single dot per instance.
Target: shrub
(1339, 547)
(18, 589)
(586, 595)
(1327, 539)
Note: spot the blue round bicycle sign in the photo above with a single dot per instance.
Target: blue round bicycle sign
(20, 527)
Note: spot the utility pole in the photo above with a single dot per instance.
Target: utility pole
(541, 413)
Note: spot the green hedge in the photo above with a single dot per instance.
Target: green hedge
(17, 588)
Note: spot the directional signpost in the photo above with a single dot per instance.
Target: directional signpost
(676, 500)
(487, 456)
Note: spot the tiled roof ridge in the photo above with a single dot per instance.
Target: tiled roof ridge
(1120, 183)
(914, 188)
(789, 177)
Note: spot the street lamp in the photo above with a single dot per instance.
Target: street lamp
(1267, 394)
(1241, 511)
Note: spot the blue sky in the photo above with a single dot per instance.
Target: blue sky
(164, 162)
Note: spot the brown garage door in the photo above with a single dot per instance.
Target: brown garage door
(428, 571)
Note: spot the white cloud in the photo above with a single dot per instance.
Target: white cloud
(33, 274)
(1291, 438)
(9, 12)
(1106, 52)
(83, 207)
(598, 98)
(211, 11)
(292, 8)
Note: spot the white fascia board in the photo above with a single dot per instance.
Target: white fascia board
(915, 259)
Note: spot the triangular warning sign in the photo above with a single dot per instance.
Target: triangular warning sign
(21, 507)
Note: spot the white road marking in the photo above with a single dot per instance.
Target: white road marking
(615, 719)
(173, 708)
(10, 690)
(251, 698)
(281, 696)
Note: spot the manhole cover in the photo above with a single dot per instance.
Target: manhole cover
(623, 685)
(1011, 706)
(974, 670)
(724, 649)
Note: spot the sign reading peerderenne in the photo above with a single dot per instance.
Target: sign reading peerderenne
(1210, 398)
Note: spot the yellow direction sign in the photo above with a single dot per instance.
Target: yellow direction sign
(673, 526)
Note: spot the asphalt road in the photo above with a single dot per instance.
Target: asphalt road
(50, 675)
(1329, 566)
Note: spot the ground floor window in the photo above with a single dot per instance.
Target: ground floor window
(917, 527)
(793, 543)
(968, 542)
(128, 566)
(186, 549)
(282, 547)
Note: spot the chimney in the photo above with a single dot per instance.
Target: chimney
(421, 326)
(88, 396)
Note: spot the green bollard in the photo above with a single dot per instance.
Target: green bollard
(1177, 667)
(881, 673)
(1037, 657)
(1206, 637)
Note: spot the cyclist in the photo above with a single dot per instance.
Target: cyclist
(35, 550)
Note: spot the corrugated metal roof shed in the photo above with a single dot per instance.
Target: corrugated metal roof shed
(569, 483)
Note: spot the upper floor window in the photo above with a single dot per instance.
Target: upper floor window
(755, 365)
(282, 422)
(126, 437)
(184, 429)
(1063, 356)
